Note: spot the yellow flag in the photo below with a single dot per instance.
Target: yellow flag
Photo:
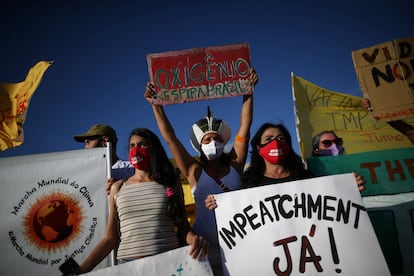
(14, 102)
(319, 109)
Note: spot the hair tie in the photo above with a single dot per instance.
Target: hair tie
(169, 192)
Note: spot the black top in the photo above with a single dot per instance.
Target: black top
(264, 180)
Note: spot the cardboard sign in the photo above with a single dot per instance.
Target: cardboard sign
(200, 73)
(386, 76)
(316, 226)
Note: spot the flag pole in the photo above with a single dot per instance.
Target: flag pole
(109, 160)
(109, 175)
(297, 121)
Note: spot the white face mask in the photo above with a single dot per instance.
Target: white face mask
(213, 150)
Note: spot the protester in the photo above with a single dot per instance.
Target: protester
(145, 209)
(274, 161)
(98, 136)
(399, 125)
(216, 171)
(327, 143)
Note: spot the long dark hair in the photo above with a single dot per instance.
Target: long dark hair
(160, 167)
(163, 171)
(256, 169)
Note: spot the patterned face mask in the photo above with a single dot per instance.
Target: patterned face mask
(213, 150)
(139, 158)
(274, 151)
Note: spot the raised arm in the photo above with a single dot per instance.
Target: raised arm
(241, 141)
(111, 238)
(188, 166)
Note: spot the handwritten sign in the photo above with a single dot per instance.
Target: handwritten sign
(316, 226)
(389, 198)
(175, 263)
(320, 109)
(386, 76)
(200, 73)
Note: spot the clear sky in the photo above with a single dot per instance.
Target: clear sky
(100, 48)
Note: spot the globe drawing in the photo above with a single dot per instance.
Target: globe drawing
(51, 221)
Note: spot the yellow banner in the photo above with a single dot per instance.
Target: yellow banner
(14, 102)
(319, 109)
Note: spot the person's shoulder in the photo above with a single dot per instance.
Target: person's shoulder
(307, 174)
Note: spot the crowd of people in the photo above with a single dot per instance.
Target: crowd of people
(146, 203)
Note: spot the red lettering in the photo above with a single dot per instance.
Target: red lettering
(284, 243)
(397, 170)
(371, 167)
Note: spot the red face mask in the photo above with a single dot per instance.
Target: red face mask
(139, 158)
(275, 151)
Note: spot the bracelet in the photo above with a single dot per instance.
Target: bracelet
(241, 139)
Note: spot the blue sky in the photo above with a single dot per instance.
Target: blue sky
(100, 48)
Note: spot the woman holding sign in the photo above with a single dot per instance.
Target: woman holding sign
(274, 161)
(216, 172)
(146, 209)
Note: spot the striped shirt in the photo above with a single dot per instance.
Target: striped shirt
(146, 228)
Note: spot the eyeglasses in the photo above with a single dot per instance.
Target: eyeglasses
(327, 143)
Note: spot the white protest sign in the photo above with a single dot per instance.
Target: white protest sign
(175, 262)
(317, 226)
(53, 206)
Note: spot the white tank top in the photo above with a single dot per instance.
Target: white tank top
(146, 228)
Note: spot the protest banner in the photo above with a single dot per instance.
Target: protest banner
(53, 206)
(386, 76)
(200, 73)
(176, 262)
(385, 172)
(389, 198)
(318, 109)
(316, 226)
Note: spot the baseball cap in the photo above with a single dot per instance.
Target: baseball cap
(98, 130)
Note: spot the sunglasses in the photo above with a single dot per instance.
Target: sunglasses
(327, 143)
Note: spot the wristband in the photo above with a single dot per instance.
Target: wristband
(241, 139)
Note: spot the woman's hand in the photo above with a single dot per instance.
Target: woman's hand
(150, 95)
(366, 104)
(360, 182)
(254, 79)
(108, 186)
(199, 246)
(210, 202)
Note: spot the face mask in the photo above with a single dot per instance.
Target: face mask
(332, 150)
(139, 158)
(213, 150)
(275, 151)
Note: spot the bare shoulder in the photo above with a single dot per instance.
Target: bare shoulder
(116, 186)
